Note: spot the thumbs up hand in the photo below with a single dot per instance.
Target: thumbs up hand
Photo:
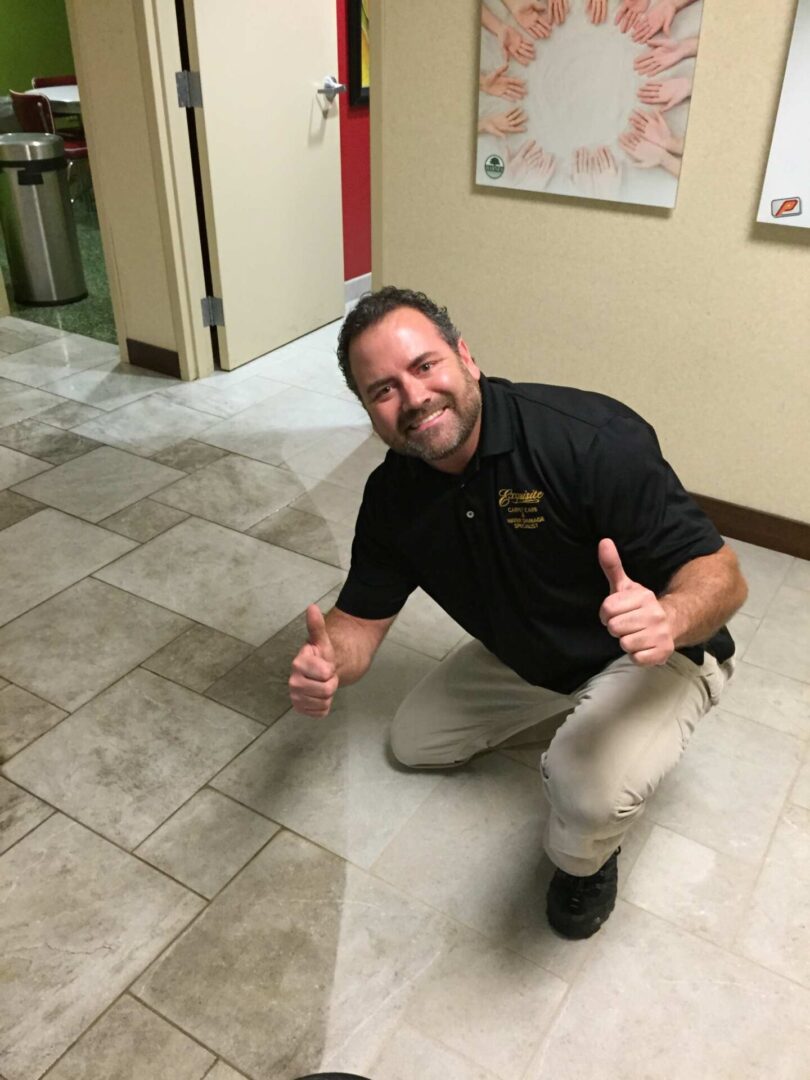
(313, 679)
(633, 614)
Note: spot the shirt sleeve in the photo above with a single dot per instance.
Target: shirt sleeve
(638, 502)
(379, 580)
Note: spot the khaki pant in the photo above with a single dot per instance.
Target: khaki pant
(618, 736)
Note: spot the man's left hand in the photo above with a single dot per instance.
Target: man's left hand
(634, 614)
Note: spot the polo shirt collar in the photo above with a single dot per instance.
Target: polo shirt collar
(497, 426)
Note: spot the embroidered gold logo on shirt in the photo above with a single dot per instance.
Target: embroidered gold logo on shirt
(522, 508)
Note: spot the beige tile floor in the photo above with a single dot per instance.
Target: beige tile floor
(196, 882)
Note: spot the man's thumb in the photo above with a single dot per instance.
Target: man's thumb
(318, 634)
(612, 566)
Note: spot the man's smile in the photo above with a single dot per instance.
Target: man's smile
(427, 421)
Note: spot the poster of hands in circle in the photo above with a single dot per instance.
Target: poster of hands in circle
(587, 98)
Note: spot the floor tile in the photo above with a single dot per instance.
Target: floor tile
(408, 1054)
(798, 576)
(301, 964)
(474, 851)
(14, 508)
(99, 483)
(143, 520)
(69, 414)
(768, 698)
(258, 685)
(776, 931)
(27, 565)
(77, 643)
(198, 657)
(18, 334)
(234, 491)
(690, 885)
(146, 427)
(126, 761)
(207, 841)
(223, 579)
(329, 501)
(782, 642)
(19, 814)
(79, 919)
(487, 1003)
(800, 793)
(309, 368)
(189, 456)
(44, 441)
(223, 401)
(286, 423)
(16, 467)
(16, 407)
(742, 629)
(327, 541)
(424, 626)
(728, 789)
(56, 358)
(331, 780)
(764, 571)
(645, 983)
(346, 458)
(109, 385)
(130, 1042)
(221, 1071)
(23, 718)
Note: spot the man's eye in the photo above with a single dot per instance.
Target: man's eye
(381, 392)
(427, 365)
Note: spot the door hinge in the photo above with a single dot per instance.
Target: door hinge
(189, 89)
(212, 311)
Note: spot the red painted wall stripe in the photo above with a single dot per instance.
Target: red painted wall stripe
(355, 167)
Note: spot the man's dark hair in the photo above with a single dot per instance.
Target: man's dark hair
(374, 306)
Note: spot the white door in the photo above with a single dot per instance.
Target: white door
(270, 159)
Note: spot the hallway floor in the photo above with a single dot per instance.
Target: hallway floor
(196, 882)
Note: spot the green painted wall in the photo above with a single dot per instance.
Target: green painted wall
(34, 40)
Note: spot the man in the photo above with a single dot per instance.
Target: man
(546, 522)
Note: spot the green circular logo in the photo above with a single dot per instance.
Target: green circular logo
(494, 167)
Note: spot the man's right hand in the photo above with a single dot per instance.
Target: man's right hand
(313, 679)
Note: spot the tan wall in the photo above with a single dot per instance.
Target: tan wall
(698, 319)
(5, 308)
(114, 104)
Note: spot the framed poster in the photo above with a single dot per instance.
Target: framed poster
(787, 178)
(586, 98)
(359, 74)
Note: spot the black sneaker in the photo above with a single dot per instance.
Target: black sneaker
(577, 906)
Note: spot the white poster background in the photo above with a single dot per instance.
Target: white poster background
(788, 172)
(581, 90)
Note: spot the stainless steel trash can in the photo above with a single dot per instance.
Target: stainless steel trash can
(37, 220)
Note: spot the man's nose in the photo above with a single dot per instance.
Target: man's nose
(414, 393)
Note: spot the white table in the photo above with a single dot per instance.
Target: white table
(64, 99)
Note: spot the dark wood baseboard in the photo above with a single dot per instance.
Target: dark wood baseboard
(756, 527)
(166, 361)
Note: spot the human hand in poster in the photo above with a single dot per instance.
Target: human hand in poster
(595, 173)
(498, 84)
(531, 16)
(629, 12)
(646, 155)
(503, 124)
(558, 10)
(658, 18)
(633, 613)
(531, 162)
(514, 45)
(667, 94)
(596, 10)
(653, 127)
(665, 54)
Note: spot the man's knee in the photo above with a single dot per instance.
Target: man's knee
(420, 750)
(590, 803)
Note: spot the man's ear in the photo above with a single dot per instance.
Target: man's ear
(467, 359)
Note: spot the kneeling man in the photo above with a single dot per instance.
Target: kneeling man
(546, 522)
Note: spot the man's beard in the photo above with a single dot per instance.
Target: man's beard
(457, 424)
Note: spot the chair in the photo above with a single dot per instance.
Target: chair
(33, 112)
(39, 81)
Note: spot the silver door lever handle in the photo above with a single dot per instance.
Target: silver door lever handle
(331, 88)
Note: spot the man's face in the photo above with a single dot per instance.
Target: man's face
(422, 397)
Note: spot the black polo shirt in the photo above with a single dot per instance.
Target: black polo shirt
(509, 548)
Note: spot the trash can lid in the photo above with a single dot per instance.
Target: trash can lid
(30, 146)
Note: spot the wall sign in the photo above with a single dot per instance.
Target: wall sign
(586, 98)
